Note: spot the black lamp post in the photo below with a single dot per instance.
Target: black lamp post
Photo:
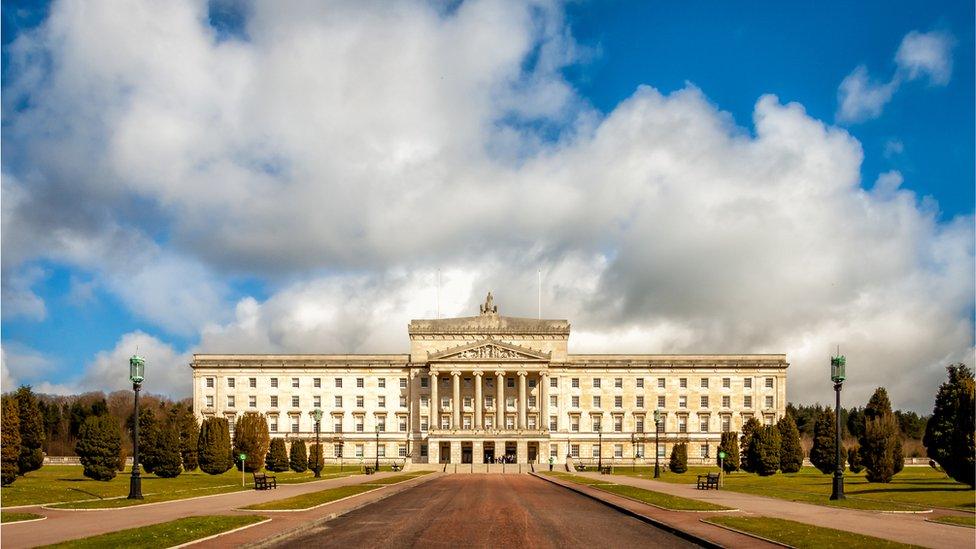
(319, 454)
(657, 443)
(599, 451)
(838, 367)
(137, 370)
(377, 447)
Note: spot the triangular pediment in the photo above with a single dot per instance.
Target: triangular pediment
(490, 350)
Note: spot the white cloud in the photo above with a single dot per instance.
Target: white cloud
(927, 54)
(342, 155)
(862, 99)
(19, 298)
(167, 370)
(893, 147)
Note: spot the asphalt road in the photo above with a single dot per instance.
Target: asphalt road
(486, 511)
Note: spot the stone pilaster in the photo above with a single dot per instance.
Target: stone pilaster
(456, 401)
(479, 403)
(500, 400)
(522, 400)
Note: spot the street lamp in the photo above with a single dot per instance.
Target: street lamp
(137, 371)
(377, 447)
(599, 451)
(838, 367)
(657, 442)
(319, 454)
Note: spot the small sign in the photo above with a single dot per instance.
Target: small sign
(721, 455)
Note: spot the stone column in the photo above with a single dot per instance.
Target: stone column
(543, 400)
(456, 401)
(435, 416)
(499, 401)
(478, 401)
(522, 408)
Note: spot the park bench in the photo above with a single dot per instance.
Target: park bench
(369, 469)
(264, 481)
(707, 482)
(606, 470)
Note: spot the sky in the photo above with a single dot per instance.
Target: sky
(708, 177)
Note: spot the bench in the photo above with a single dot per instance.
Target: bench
(369, 469)
(263, 481)
(707, 482)
(606, 470)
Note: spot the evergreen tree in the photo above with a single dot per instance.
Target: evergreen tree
(149, 443)
(316, 457)
(730, 445)
(764, 450)
(679, 458)
(855, 422)
(748, 431)
(98, 445)
(186, 423)
(881, 442)
(213, 446)
(823, 454)
(10, 435)
(950, 435)
(791, 452)
(277, 459)
(854, 462)
(169, 461)
(251, 438)
(31, 456)
(298, 457)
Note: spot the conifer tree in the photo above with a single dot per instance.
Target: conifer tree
(316, 457)
(854, 462)
(277, 459)
(730, 445)
(31, 457)
(98, 445)
(149, 443)
(251, 438)
(748, 429)
(213, 446)
(679, 458)
(881, 442)
(823, 454)
(169, 461)
(764, 450)
(10, 434)
(298, 457)
(189, 431)
(950, 435)
(791, 451)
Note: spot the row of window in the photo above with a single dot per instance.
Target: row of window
(296, 401)
(618, 451)
(252, 382)
(597, 383)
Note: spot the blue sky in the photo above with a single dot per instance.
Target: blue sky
(129, 222)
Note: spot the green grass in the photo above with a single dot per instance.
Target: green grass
(803, 536)
(66, 483)
(915, 488)
(667, 501)
(8, 516)
(305, 501)
(165, 534)
(969, 521)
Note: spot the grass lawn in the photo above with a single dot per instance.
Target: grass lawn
(667, 501)
(802, 536)
(969, 521)
(165, 534)
(66, 483)
(305, 501)
(915, 488)
(8, 516)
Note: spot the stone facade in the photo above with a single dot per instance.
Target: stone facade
(475, 389)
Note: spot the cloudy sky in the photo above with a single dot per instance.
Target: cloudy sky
(186, 176)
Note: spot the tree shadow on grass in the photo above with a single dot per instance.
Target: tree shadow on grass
(907, 490)
(86, 492)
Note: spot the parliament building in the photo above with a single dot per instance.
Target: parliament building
(484, 388)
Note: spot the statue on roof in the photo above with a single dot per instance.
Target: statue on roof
(489, 307)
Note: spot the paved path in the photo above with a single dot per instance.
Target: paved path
(64, 525)
(478, 510)
(906, 528)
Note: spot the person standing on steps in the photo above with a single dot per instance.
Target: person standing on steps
(552, 460)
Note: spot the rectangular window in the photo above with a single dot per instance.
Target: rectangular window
(726, 401)
(231, 382)
(510, 402)
(424, 423)
(597, 423)
(640, 382)
(531, 401)
(618, 382)
(273, 425)
(424, 401)
(489, 421)
(252, 382)
(403, 401)
(381, 382)
(574, 424)
(274, 383)
(402, 450)
(726, 424)
(360, 401)
(510, 422)
(423, 450)
(360, 383)
(402, 424)
(639, 424)
(360, 424)
(575, 401)
(381, 401)
(726, 382)
(704, 401)
(662, 450)
(424, 382)
(769, 383)
(338, 382)
(467, 401)
(682, 424)
(553, 401)
(574, 450)
(294, 425)
(661, 401)
(466, 422)
(595, 450)
(294, 382)
(640, 401)
(317, 382)
(596, 401)
(337, 425)
(337, 450)
(553, 423)
(274, 401)
(747, 383)
(445, 422)
(596, 383)
(660, 383)
(553, 451)
(574, 383)
(489, 401)
(252, 401)
(403, 383)
(704, 450)
(618, 450)
(531, 422)
(683, 382)
(618, 401)
(381, 424)
(618, 424)
(294, 402)
(747, 401)
(682, 401)
(359, 451)
(554, 382)
(445, 402)
(703, 424)
(316, 401)
(769, 401)
(510, 382)
(639, 450)
(704, 383)
(338, 401)
(532, 383)
(210, 382)
(209, 401)
(230, 401)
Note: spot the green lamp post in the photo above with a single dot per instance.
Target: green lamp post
(838, 373)
(317, 416)
(137, 371)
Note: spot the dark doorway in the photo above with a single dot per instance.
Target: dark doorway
(466, 451)
(533, 451)
(511, 449)
(489, 452)
(445, 452)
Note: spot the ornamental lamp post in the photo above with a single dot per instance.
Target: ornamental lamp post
(599, 450)
(838, 367)
(657, 443)
(377, 447)
(319, 454)
(137, 371)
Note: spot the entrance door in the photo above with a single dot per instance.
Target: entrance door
(511, 451)
(533, 451)
(445, 452)
(489, 452)
(466, 451)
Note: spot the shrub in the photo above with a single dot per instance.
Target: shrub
(790, 450)
(213, 446)
(98, 445)
(315, 457)
(298, 457)
(823, 454)
(679, 458)
(169, 461)
(10, 435)
(764, 450)
(949, 436)
(251, 438)
(32, 433)
(881, 442)
(277, 459)
(730, 445)
(854, 462)
(748, 429)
